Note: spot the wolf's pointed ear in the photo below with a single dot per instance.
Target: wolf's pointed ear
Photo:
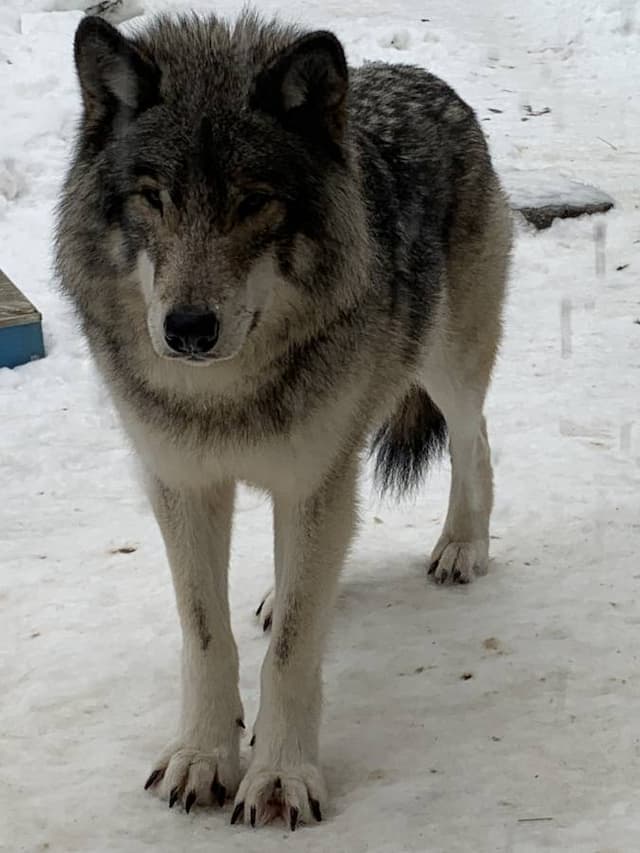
(306, 86)
(112, 70)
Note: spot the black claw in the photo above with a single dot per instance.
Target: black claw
(267, 624)
(259, 610)
(237, 812)
(191, 798)
(443, 577)
(456, 576)
(252, 742)
(153, 778)
(463, 579)
(315, 809)
(433, 567)
(252, 816)
(293, 818)
(173, 796)
(277, 784)
(240, 723)
(219, 792)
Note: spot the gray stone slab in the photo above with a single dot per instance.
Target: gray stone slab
(542, 196)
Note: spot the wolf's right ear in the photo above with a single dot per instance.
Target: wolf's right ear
(112, 70)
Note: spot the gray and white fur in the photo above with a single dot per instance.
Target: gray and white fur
(279, 262)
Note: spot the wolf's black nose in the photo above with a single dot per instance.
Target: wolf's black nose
(189, 329)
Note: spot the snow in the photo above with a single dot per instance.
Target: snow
(537, 750)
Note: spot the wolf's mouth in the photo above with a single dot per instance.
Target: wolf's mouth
(192, 358)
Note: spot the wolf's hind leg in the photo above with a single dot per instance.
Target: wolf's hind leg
(462, 551)
(456, 378)
(456, 372)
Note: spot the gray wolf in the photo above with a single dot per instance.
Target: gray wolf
(279, 261)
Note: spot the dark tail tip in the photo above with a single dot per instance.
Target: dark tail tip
(405, 446)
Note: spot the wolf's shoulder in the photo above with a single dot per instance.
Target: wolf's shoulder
(406, 102)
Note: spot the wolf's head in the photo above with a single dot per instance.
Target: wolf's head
(208, 163)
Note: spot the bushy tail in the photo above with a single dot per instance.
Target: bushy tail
(413, 437)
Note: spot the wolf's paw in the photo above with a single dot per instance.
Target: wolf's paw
(458, 562)
(294, 794)
(189, 775)
(265, 610)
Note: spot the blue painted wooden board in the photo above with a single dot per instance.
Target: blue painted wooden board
(20, 327)
(20, 344)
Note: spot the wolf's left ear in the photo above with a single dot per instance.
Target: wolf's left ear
(306, 86)
(112, 70)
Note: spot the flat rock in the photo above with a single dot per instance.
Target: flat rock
(116, 11)
(542, 196)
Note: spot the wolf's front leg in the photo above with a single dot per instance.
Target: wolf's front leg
(201, 765)
(311, 539)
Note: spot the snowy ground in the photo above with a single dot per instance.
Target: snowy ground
(540, 748)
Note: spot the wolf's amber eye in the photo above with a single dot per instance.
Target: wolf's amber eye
(152, 197)
(252, 204)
